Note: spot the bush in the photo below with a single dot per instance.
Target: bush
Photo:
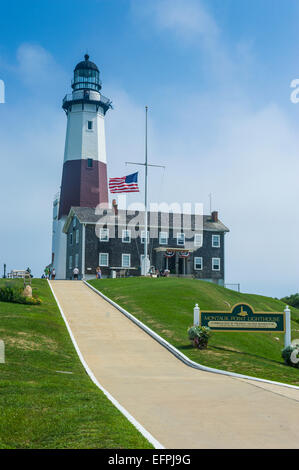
(287, 353)
(12, 292)
(199, 335)
(292, 300)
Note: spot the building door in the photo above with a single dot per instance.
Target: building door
(182, 265)
(171, 264)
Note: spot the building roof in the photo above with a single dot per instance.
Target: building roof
(88, 215)
(86, 64)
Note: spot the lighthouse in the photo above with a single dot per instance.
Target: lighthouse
(84, 174)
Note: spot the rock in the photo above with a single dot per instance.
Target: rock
(27, 292)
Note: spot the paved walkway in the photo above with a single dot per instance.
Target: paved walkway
(180, 406)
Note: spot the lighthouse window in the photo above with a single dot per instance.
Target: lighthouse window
(89, 125)
(89, 163)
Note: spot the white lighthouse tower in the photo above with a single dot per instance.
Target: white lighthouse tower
(84, 175)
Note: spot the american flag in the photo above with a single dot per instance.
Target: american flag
(125, 184)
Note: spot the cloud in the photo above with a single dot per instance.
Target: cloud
(188, 19)
(37, 68)
(31, 146)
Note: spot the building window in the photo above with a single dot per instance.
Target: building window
(74, 221)
(103, 259)
(104, 234)
(76, 260)
(77, 236)
(163, 238)
(126, 236)
(198, 239)
(70, 262)
(143, 236)
(216, 264)
(198, 263)
(180, 239)
(89, 125)
(126, 260)
(71, 238)
(216, 241)
(89, 163)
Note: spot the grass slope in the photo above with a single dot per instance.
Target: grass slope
(166, 306)
(41, 407)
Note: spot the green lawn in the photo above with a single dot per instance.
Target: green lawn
(42, 407)
(166, 306)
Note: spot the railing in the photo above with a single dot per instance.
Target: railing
(236, 287)
(86, 97)
(15, 274)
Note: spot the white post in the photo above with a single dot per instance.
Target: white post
(196, 311)
(287, 336)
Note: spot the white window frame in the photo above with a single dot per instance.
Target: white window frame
(142, 237)
(196, 237)
(124, 232)
(213, 243)
(70, 262)
(103, 264)
(77, 236)
(163, 238)
(216, 269)
(178, 235)
(122, 260)
(102, 238)
(196, 258)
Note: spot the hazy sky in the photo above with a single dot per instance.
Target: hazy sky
(216, 76)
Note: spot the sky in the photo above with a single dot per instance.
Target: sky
(216, 76)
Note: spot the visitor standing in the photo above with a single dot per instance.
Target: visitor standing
(76, 273)
(98, 273)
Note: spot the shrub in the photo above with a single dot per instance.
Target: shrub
(290, 359)
(12, 292)
(199, 335)
(292, 300)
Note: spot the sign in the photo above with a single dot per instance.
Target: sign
(243, 318)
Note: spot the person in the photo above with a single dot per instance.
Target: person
(76, 273)
(98, 273)
(53, 274)
(47, 271)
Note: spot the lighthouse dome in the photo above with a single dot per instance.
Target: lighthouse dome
(86, 76)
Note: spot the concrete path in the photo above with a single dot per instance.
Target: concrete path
(180, 406)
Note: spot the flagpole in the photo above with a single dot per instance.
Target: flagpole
(145, 200)
(145, 264)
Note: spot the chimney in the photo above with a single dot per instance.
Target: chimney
(214, 216)
(115, 206)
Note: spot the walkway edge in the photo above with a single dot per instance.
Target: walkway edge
(177, 353)
(129, 417)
